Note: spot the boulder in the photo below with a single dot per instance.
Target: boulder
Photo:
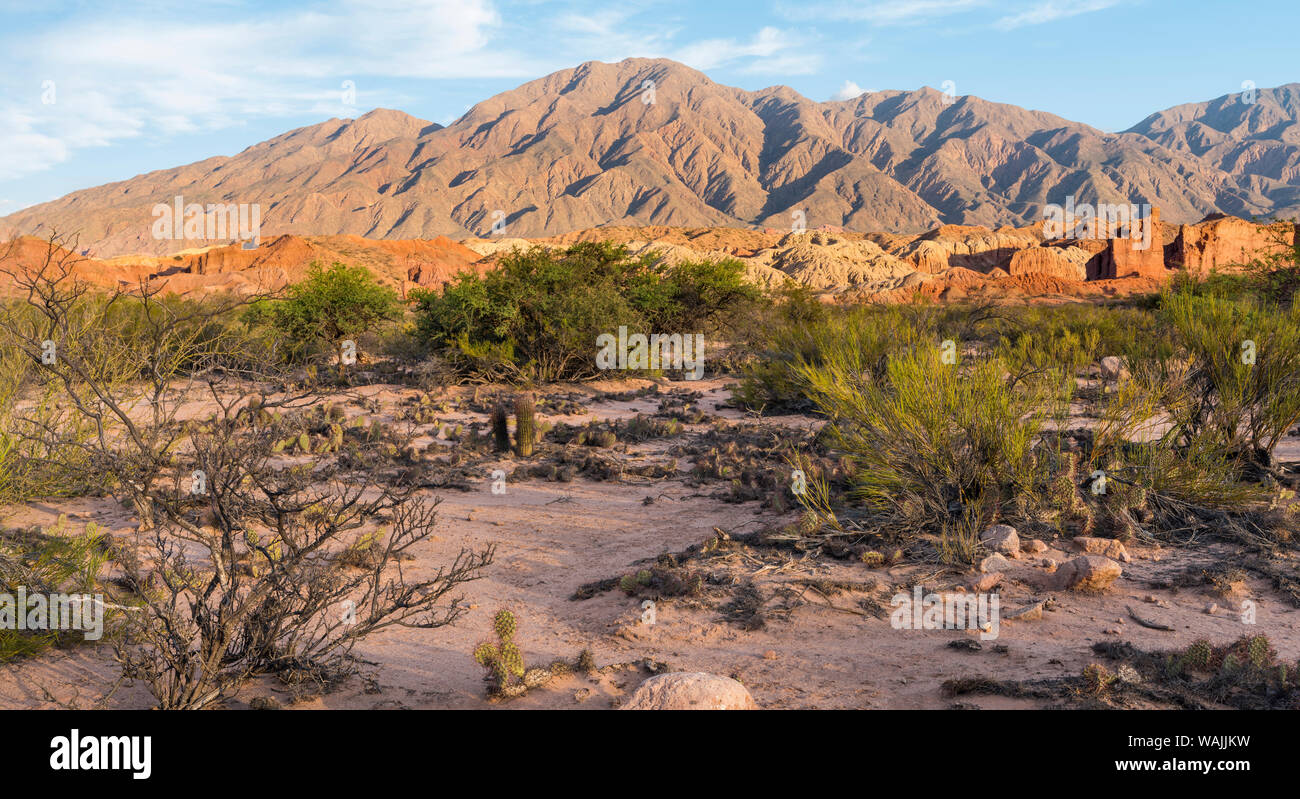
(1108, 547)
(987, 582)
(1002, 538)
(690, 691)
(1087, 573)
(1113, 368)
(1032, 612)
(994, 563)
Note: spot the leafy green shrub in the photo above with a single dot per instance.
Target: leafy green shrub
(537, 316)
(776, 380)
(329, 307)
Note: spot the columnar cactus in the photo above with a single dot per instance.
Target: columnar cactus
(500, 429)
(525, 426)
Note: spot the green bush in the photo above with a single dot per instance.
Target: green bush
(329, 307)
(802, 332)
(940, 447)
(1230, 374)
(537, 315)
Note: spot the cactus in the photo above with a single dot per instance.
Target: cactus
(1199, 655)
(336, 437)
(1259, 652)
(600, 438)
(304, 443)
(872, 558)
(631, 582)
(1096, 678)
(503, 659)
(525, 430)
(500, 429)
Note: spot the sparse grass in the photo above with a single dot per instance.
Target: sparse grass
(54, 560)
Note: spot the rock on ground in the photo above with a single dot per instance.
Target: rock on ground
(1113, 368)
(690, 691)
(1087, 573)
(1002, 538)
(1109, 547)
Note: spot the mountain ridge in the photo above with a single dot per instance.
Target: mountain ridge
(653, 142)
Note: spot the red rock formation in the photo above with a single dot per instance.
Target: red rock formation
(1137, 255)
(1223, 243)
(422, 262)
(1068, 263)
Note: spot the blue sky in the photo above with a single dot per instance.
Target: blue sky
(93, 92)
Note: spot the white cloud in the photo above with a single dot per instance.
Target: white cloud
(123, 75)
(165, 68)
(1051, 11)
(848, 91)
(885, 12)
(768, 43)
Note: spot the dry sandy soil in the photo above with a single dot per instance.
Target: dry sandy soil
(813, 650)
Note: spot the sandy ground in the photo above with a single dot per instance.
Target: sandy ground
(826, 653)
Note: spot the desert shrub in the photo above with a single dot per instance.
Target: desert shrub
(1098, 329)
(776, 381)
(329, 306)
(1230, 374)
(940, 448)
(1224, 285)
(14, 369)
(262, 570)
(537, 316)
(53, 560)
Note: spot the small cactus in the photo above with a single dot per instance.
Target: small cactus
(503, 660)
(304, 443)
(500, 429)
(1096, 678)
(525, 429)
(1199, 655)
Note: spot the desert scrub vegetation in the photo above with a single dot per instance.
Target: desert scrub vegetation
(1245, 674)
(56, 559)
(946, 447)
(538, 314)
(1230, 372)
(243, 564)
(798, 330)
(330, 306)
(955, 418)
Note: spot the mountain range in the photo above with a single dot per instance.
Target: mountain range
(653, 142)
